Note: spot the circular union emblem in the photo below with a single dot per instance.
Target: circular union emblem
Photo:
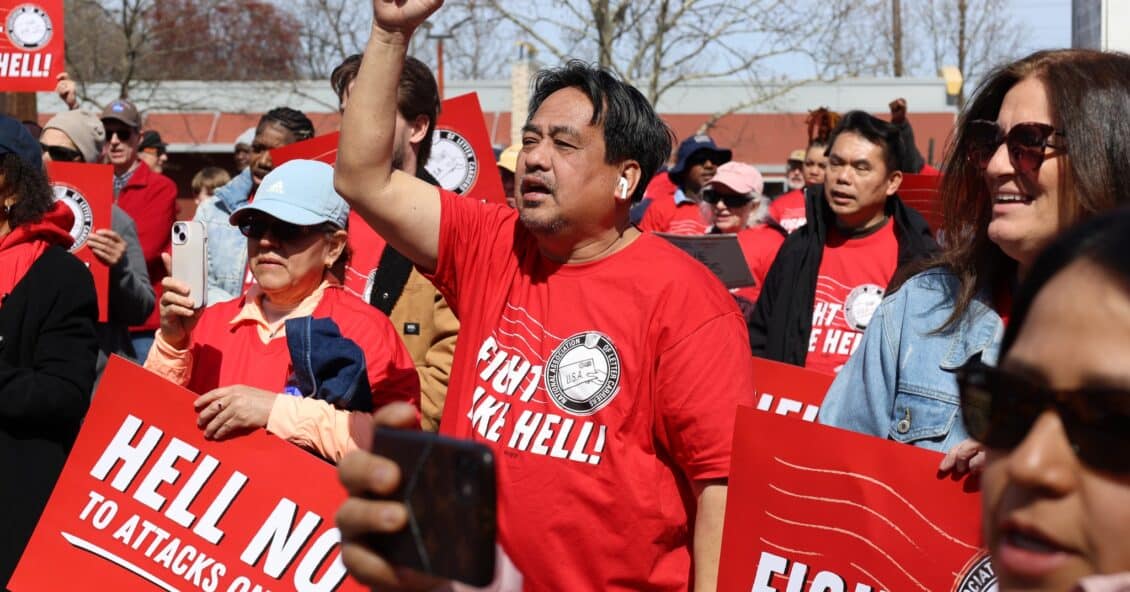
(977, 576)
(452, 161)
(583, 373)
(29, 27)
(861, 305)
(84, 216)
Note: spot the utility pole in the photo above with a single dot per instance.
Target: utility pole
(896, 36)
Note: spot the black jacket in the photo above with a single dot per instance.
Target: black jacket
(47, 357)
(782, 319)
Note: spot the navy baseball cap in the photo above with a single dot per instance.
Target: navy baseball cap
(15, 139)
(695, 144)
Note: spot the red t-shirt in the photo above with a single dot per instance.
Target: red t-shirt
(225, 354)
(367, 247)
(759, 245)
(789, 210)
(664, 215)
(604, 389)
(853, 277)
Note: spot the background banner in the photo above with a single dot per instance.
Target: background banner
(146, 503)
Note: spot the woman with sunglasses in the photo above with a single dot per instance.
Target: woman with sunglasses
(1043, 143)
(736, 206)
(78, 136)
(1055, 419)
(239, 355)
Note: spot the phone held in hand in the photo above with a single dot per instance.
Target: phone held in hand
(448, 489)
(190, 259)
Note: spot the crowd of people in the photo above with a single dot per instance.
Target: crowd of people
(336, 295)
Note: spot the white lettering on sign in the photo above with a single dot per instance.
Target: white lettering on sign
(787, 406)
(281, 541)
(163, 473)
(771, 566)
(25, 65)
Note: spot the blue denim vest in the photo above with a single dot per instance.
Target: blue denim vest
(900, 383)
(227, 248)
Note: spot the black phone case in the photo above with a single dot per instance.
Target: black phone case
(448, 488)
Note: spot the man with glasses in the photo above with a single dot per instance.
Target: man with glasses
(149, 198)
(78, 136)
(830, 274)
(697, 160)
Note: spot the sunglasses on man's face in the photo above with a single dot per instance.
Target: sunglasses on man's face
(1000, 407)
(61, 153)
(731, 200)
(256, 227)
(123, 133)
(1026, 143)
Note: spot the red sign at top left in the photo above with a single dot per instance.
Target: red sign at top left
(31, 44)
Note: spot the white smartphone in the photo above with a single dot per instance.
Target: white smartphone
(190, 259)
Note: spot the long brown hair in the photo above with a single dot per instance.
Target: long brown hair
(1089, 95)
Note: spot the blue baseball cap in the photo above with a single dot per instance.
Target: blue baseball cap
(300, 192)
(695, 144)
(15, 139)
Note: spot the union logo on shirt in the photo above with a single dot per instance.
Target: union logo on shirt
(583, 373)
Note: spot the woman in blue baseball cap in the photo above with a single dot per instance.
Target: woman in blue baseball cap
(239, 355)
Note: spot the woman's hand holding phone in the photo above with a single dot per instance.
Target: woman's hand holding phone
(177, 310)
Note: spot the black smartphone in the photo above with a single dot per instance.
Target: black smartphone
(448, 488)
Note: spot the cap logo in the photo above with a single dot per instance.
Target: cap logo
(701, 138)
(117, 107)
(276, 187)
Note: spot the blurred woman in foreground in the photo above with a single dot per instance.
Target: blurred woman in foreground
(1055, 419)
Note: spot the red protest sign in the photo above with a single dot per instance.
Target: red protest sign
(146, 503)
(31, 45)
(321, 148)
(88, 190)
(785, 389)
(462, 159)
(811, 507)
(921, 193)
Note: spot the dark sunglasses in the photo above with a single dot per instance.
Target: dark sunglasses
(999, 408)
(1026, 143)
(123, 133)
(731, 200)
(256, 227)
(61, 153)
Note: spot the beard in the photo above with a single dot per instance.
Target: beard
(536, 225)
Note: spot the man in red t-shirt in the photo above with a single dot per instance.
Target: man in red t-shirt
(578, 365)
(677, 207)
(788, 210)
(830, 274)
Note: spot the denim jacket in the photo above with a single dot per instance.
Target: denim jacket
(900, 383)
(227, 248)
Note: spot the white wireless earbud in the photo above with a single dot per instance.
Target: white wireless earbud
(622, 186)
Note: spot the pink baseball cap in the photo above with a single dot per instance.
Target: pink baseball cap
(739, 177)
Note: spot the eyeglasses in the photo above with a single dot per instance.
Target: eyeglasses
(732, 200)
(999, 408)
(61, 153)
(123, 133)
(256, 227)
(1026, 143)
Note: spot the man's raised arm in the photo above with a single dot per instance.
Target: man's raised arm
(401, 208)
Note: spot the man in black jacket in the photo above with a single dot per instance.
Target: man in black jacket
(830, 274)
